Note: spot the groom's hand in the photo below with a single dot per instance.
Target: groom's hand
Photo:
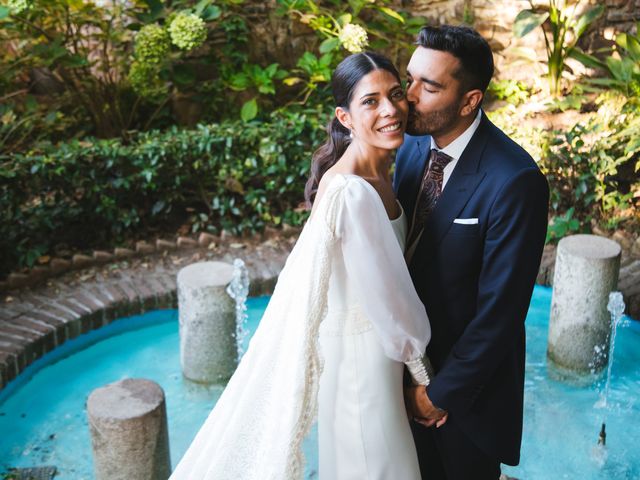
(421, 409)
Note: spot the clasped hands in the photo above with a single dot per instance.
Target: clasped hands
(421, 409)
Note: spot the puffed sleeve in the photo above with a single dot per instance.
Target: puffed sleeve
(377, 269)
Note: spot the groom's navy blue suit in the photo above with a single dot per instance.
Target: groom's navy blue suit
(476, 282)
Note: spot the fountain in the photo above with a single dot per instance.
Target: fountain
(129, 435)
(52, 429)
(616, 309)
(207, 322)
(586, 271)
(238, 289)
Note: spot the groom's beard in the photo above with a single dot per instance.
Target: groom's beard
(432, 123)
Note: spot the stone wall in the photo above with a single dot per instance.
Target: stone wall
(275, 39)
(622, 15)
(494, 20)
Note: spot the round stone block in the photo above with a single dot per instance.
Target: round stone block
(208, 352)
(129, 435)
(586, 271)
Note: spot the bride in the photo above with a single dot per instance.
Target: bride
(343, 321)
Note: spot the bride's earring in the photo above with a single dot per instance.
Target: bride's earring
(351, 132)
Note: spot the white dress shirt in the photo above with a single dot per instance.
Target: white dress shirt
(455, 148)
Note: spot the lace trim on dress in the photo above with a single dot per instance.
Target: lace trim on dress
(319, 300)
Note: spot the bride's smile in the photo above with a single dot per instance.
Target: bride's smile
(394, 127)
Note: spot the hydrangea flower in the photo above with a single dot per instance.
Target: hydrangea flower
(353, 37)
(18, 6)
(187, 31)
(152, 44)
(145, 80)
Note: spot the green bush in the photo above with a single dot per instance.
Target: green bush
(234, 175)
(511, 91)
(592, 167)
(621, 65)
(112, 69)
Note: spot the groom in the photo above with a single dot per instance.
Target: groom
(478, 209)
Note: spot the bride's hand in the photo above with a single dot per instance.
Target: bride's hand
(421, 409)
(431, 423)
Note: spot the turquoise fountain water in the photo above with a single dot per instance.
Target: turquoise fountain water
(43, 420)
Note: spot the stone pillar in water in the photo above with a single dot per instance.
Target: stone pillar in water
(586, 272)
(129, 436)
(208, 351)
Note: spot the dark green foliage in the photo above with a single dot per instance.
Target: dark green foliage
(235, 175)
(593, 170)
(621, 71)
(592, 167)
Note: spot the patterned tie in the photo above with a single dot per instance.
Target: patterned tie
(430, 190)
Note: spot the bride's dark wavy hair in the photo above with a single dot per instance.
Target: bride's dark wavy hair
(343, 82)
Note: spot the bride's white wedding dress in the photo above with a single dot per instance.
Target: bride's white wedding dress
(344, 301)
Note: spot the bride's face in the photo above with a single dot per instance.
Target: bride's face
(377, 114)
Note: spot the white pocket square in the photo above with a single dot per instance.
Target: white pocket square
(466, 221)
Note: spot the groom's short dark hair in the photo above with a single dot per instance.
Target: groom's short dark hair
(468, 46)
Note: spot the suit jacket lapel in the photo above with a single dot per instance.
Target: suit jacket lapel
(463, 182)
(407, 188)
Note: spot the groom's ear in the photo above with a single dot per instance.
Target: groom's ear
(344, 118)
(471, 101)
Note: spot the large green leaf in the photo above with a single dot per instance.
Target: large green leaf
(391, 13)
(329, 44)
(200, 6)
(526, 21)
(586, 59)
(4, 12)
(156, 9)
(413, 25)
(307, 62)
(239, 81)
(607, 82)
(344, 19)
(271, 70)
(249, 110)
(267, 88)
(211, 13)
(325, 60)
(587, 19)
(621, 69)
(630, 44)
